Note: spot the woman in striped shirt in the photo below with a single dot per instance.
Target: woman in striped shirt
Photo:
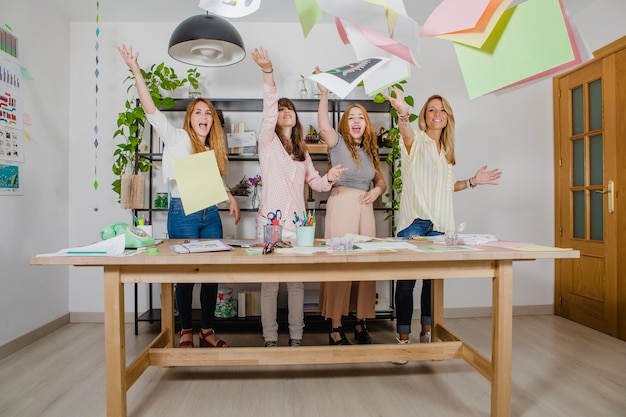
(428, 185)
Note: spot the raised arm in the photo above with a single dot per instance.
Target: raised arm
(404, 125)
(263, 61)
(329, 135)
(140, 84)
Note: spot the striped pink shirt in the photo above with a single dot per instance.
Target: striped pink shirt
(283, 178)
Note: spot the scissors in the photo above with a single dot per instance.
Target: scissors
(274, 217)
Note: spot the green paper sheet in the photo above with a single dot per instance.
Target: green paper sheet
(309, 14)
(529, 38)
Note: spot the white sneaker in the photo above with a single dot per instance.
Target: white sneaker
(425, 338)
(401, 362)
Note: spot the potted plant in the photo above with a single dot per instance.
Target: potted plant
(129, 161)
(391, 140)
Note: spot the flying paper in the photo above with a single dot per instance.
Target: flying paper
(230, 8)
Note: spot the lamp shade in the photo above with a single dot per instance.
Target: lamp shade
(207, 41)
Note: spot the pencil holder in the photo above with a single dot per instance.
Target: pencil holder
(272, 234)
(305, 235)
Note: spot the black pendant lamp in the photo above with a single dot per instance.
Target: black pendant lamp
(207, 41)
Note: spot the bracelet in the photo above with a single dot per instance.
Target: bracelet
(404, 116)
(471, 183)
(268, 72)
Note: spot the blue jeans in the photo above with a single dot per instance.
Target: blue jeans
(404, 288)
(204, 224)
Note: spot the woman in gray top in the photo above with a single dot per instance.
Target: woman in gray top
(350, 210)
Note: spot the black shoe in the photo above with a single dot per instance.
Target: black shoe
(362, 337)
(343, 341)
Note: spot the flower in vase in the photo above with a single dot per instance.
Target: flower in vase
(255, 181)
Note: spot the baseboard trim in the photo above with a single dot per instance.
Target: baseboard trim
(95, 317)
(34, 335)
(528, 310)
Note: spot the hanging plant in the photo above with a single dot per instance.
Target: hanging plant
(391, 140)
(131, 121)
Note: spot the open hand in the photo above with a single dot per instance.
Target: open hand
(323, 90)
(130, 58)
(396, 102)
(262, 59)
(487, 177)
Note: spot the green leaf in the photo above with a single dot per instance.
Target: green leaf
(378, 98)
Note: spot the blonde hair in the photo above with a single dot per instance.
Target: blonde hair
(214, 140)
(447, 134)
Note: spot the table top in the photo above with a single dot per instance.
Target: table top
(236, 256)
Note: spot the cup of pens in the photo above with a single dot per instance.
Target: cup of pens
(305, 228)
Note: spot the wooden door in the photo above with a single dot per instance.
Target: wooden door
(587, 107)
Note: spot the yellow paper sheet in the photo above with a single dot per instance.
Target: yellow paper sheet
(477, 36)
(199, 181)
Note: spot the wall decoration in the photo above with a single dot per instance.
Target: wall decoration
(11, 113)
(10, 180)
(95, 127)
(11, 144)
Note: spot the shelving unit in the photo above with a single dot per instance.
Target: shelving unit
(239, 106)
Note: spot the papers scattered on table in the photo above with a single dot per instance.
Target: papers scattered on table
(444, 248)
(541, 248)
(361, 238)
(467, 239)
(109, 247)
(200, 246)
(384, 246)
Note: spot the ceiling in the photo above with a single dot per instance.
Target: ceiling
(166, 11)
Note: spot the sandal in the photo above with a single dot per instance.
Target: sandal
(362, 337)
(343, 339)
(186, 343)
(205, 343)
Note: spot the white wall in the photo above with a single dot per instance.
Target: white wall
(37, 221)
(511, 130)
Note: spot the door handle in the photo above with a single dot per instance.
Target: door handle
(611, 197)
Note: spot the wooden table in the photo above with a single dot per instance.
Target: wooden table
(237, 266)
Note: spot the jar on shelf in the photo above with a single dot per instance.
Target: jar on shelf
(160, 201)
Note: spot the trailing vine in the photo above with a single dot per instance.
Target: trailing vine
(391, 140)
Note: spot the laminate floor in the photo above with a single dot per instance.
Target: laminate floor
(560, 368)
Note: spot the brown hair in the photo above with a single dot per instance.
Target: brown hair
(369, 141)
(447, 134)
(214, 140)
(295, 144)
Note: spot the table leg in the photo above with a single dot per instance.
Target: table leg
(501, 346)
(114, 342)
(167, 311)
(436, 291)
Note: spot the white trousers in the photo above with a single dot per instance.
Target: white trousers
(269, 299)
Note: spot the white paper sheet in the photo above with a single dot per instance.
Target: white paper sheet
(110, 247)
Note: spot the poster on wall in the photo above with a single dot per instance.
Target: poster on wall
(10, 180)
(11, 113)
(10, 94)
(11, 144)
